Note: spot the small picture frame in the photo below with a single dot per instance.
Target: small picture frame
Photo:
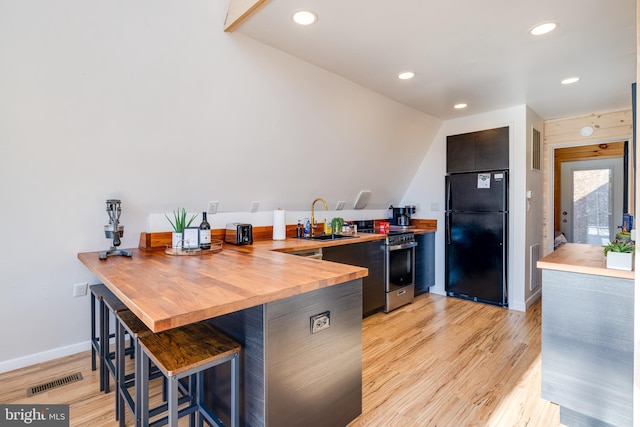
(190, 238)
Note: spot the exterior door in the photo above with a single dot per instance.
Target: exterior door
(591, 200)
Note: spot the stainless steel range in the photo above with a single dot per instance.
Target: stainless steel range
(399, 265)
(400, 261)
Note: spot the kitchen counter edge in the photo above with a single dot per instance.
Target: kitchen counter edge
(582, 258)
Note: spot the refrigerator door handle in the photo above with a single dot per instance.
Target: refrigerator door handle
(448, 197)
(447, 227)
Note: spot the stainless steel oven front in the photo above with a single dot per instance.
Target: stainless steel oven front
(400, 261)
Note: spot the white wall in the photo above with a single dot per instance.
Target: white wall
(427, 191)
(150, 102)
(534, 207)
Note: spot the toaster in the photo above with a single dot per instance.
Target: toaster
(239, 234)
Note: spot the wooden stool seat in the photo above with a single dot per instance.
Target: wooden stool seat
(189, 351)
(112, 302)
(133, 324)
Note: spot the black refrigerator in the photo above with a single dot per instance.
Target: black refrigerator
(476, 223)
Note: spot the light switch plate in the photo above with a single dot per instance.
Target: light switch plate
(212, 208)
(80, 289)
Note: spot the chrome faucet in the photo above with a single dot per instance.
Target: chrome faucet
(313, 216)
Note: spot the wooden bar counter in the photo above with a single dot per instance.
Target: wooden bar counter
(587, 337)
(167, 291)
(299, 322)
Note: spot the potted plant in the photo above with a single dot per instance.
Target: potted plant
(179, 223)
(620, 254)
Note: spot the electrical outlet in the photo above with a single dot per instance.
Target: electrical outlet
(254, 207)
(212, 208)
(80, 289)
(340, 205)
(320, 322)
(435, 206)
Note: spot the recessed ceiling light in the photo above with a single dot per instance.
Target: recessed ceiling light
(406, 75)
(460, 106)
(570, 80)
(544, 28)
(304, 17)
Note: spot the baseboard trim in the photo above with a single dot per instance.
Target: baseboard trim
(534, 296)
(45, 356)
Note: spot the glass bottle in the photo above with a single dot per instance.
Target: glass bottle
(299, 230)
(205, 233)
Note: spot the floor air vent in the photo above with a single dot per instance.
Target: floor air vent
(41, 388)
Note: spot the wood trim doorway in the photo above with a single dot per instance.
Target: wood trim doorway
(584, 152)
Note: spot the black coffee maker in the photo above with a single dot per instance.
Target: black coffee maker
(401, 216)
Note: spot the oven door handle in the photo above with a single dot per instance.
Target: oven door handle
(403, 246)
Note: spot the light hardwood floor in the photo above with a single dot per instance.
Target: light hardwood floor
(449, 362)
(437, 362)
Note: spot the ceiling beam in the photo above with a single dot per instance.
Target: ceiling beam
(238, 11)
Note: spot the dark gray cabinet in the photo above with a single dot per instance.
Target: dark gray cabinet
(369, 255)
(478, 151)
(291, 375)
(425, 262)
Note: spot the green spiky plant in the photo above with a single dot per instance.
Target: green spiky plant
(180, 220)
(620, 246)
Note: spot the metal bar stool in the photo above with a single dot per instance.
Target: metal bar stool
(129, 323)
(188, 351)
(108, 304)
(95, 340)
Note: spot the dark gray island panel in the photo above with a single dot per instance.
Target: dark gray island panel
(291, 376)
(315, 379)
(587, 347)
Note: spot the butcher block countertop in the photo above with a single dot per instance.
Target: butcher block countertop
(168, 291)
(581, 258)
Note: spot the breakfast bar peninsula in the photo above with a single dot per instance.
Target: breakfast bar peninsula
(299, 321)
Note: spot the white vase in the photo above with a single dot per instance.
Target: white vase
(620, 260)
(176, 240)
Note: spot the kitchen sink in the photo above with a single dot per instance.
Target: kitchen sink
(330, 237)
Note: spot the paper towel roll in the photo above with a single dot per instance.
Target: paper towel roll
(279, 225)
